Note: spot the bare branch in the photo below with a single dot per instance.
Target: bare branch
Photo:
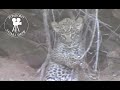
(98, 41)
(46, 28)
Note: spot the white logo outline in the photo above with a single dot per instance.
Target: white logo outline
(16, 22)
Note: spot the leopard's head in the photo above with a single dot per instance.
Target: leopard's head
(68, 29)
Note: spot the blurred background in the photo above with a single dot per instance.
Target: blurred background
(20, 58)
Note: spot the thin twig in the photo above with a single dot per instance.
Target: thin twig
(114, 31)
(98, 41)
(46, 28)
(53, 15)
(60, 12)
(54, 31)
(91, 16)
(93, 35)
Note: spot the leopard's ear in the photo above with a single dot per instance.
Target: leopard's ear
(55, 26)
(79, 23)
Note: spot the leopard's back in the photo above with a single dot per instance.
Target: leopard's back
(57, 72)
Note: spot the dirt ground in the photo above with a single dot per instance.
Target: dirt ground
(20, 58)
(14, 70)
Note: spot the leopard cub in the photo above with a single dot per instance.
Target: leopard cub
(69, 46)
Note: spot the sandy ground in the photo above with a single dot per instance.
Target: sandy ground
(14, 70)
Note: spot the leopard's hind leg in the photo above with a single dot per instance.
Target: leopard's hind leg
(57, 72)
